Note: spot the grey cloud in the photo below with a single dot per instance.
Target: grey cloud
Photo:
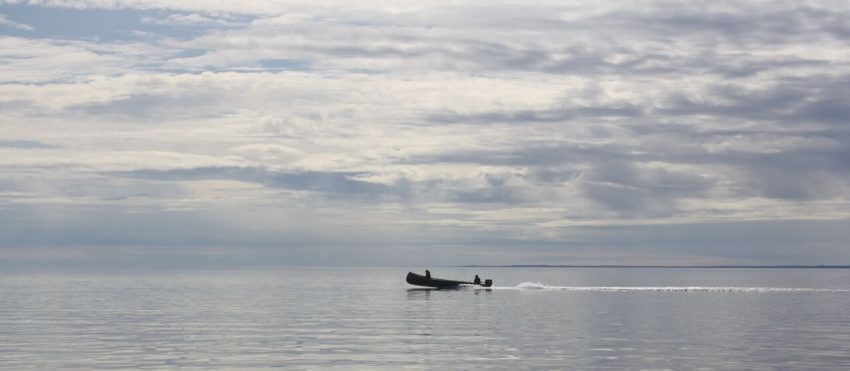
(631, 190)
(832, 107)
(631, 60)
(660, 181)
(532, 56)
(500, 195)
(732, 22)
(498, 190)
(788, 111)
(531, 116)
(537, 56)
(532, 154)
(346, 184)
(810, 174)
(553, 175)
(20, 106)
(815, 99)
(745, 65)
(792, 184)
(367, 51)
(152, 106)
(792, 173)
(329, 183)
(277, 64)
(708, 39)
(613, 180)
(627, 201)
(25, 144)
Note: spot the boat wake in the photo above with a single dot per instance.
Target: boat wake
(540, 286)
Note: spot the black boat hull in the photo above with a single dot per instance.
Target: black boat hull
(420, 280)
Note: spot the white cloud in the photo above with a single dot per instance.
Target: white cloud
(5, 21)
(36, 61)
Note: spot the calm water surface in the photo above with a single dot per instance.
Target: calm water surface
(369, 318)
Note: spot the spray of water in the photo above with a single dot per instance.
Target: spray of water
(540, 286)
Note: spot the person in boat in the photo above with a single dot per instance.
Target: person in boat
(477, 280)
(427, 274)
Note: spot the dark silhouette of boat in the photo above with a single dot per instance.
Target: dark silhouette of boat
(428, 281)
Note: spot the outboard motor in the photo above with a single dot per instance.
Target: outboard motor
(488, 283)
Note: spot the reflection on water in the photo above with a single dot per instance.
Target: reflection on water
(419, 294)
(370, 318)
(424, 293)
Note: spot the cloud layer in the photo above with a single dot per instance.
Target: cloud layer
(483, 132)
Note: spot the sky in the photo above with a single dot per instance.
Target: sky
(415, 133)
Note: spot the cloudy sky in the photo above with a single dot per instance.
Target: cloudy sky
(419, 133)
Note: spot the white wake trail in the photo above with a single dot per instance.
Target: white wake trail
(540, 286)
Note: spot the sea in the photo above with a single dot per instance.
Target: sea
(371, 319)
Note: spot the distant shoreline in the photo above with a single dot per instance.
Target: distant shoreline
(661, 266)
